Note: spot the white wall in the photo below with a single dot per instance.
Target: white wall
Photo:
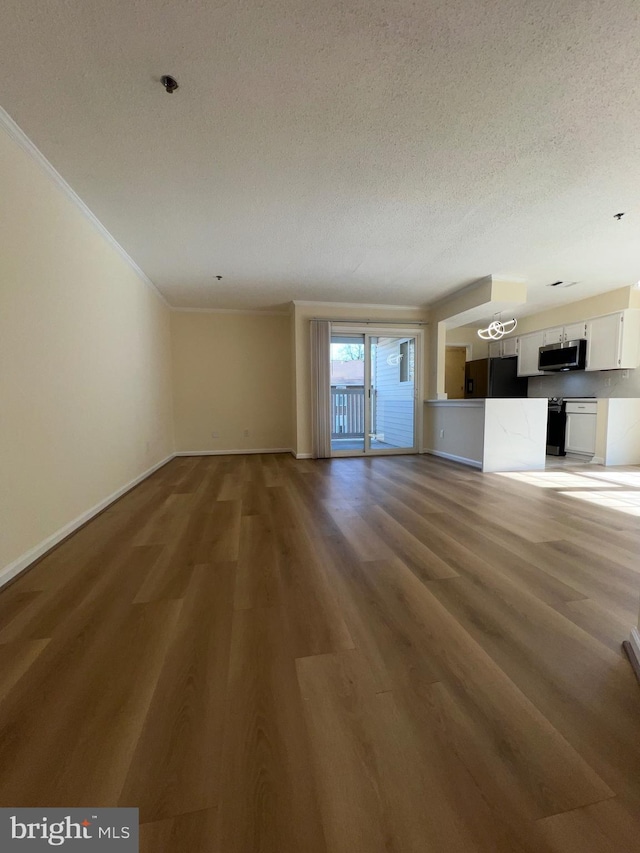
(85, 375)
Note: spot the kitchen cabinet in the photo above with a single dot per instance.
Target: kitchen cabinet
(612, 341)
(575, 332)
(580, 436)
(504, 348)
(554, 336)
(572, 332)
(528, 349)
(509, 347)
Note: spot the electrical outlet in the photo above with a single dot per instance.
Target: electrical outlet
(625, 374)
(441, 433)
(215, 434)
(246, 433)
(607, 381)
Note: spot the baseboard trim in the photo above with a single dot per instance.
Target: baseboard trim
(454, 458)
(303, 455)
(632, 648)
(9, 572)
(232, 452)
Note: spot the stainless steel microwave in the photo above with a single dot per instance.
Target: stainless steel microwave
(568, 355)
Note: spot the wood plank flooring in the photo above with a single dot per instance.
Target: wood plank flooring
(390, 655)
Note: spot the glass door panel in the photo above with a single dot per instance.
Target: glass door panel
(391, 421)
(347, 394)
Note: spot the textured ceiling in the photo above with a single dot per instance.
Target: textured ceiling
(342, 150)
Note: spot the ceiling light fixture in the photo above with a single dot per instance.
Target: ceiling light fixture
(170, 83)
(497, 329)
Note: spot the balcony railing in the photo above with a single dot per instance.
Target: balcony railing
(347, 412)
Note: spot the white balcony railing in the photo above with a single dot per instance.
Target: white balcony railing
(347, 412)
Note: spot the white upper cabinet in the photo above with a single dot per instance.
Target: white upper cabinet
(575, 332)
(572, 332)
(553, 336)
(504, 348)
(509, 347)
(612, 341)
(529, 347)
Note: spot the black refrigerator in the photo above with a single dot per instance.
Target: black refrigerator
(494, 377)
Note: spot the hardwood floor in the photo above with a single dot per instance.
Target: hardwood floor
(363, 655)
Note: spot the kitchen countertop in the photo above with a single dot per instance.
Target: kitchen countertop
(476, 401)
(491, 433)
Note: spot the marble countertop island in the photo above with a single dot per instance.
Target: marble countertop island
(494, 434)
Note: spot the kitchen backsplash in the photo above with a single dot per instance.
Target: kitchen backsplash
(581, 383)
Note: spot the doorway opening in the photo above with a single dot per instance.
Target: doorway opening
(454, 372)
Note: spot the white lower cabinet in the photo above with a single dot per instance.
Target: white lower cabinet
(580, 434)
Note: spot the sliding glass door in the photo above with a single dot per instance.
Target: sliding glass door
(347, 393)
(373, 394)
(392, 393)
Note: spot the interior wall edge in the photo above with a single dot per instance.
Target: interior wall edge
(13, 569)
(15, 132)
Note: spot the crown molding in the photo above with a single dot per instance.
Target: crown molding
(252, 311)
(359, 305)
(23, 141)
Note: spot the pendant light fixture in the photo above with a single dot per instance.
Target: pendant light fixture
(497, 329)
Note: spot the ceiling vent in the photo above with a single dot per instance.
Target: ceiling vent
(562, 283)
